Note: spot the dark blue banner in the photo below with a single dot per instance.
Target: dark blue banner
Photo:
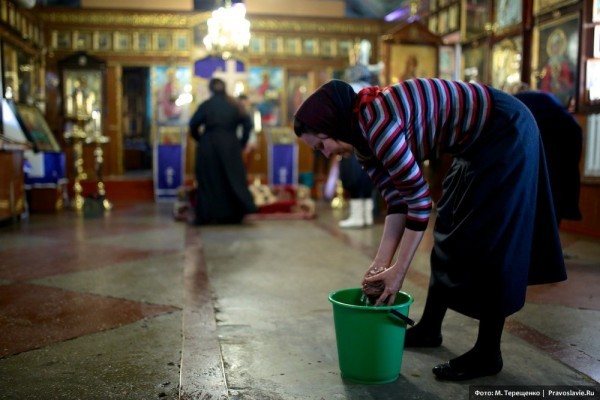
(168, 171)
(45, 169)
(283, 164)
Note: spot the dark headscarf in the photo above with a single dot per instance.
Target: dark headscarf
(329, 110)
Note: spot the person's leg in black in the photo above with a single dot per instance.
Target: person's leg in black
(485, 358)
(428, 332)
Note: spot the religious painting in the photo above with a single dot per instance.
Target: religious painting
(82, 92)
(36, 34)
(506, 62)
(11, 13)
(453, 18)
(475, 59)
(142, 41)
(477, 17)
(83, 41)
(508, 13)
(3, 11)
(257, 44)
(14, 17)
(544, 6)
(592, 84)
(327, 47)
(182, 41)
(309, 47)
(447, 68)
(596, 11)
(344, 47)
(122, 41)
(199, 32)
(103, 40)
(298, 89)
(163, 41)
(443, 22)
(432, 24)
(36, 128)
(172, 94)
(61, 40)
(412, 61)
(556, 48)
(25, 27)
(18, 21)
(292, 46)
(265, 86)
(274, 45)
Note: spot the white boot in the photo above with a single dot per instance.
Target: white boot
(368, 211)
(356, 218)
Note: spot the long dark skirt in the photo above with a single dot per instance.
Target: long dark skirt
(223, 194)
(495, 231)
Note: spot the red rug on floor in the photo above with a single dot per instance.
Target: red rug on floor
(277, 203)
(282, 210)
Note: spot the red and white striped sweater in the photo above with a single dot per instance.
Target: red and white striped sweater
(413, 121)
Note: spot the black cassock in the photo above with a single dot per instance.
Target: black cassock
(223, 194)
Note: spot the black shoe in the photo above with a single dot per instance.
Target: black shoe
(416, 337)
(461, 369)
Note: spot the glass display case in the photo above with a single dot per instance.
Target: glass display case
(83, 80)
(20, 75)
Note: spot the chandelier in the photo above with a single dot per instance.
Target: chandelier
(228, 30)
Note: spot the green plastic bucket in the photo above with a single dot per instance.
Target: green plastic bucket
(370, 340)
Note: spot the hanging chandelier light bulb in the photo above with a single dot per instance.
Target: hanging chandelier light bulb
(228, 30)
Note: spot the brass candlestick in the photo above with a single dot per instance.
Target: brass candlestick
(98, 140)
(77, 136)
(338, 202)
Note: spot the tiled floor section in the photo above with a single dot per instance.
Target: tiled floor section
(97, 309)
(38, 316)
(67, 282)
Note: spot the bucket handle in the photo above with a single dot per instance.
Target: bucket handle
(399, 315)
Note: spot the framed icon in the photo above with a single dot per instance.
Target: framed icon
(142, 41)
(475, 63)
(556, 58)
(163, 41)
(123, 41)
(82, 40)
(507, 13)
(506, 62)
(61, 40)
(181, 41)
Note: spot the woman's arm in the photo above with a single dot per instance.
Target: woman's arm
(393, 229)
(395, 237)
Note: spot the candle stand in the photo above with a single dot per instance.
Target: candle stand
(98, 140)
(77, 137)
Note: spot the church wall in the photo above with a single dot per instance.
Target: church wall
(315, 49)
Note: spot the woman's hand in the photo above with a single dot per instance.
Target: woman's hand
(386, 283)
(373, 289)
